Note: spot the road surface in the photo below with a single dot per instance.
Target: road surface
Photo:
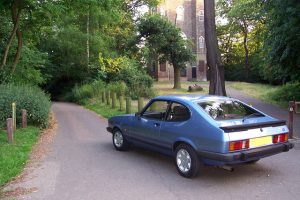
(84, 165)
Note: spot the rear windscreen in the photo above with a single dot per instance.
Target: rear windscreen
(227, 110)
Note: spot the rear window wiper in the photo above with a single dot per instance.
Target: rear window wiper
(252, 115)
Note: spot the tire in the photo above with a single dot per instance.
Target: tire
(119, 141)
(186, 161)
(252, 161)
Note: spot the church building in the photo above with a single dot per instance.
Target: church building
(188, 15)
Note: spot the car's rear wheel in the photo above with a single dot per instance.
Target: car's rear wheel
(186, 160)
(119, 141)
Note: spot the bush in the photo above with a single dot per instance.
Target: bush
(138, 82)
(31, 98)
(286, 93)
(87, 91)
(118, 87)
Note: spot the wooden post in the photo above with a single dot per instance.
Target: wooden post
(103, 96)
(121, 103)
(128, 105)
(140, 104)
(10, 130)
(107, 97)
(14, 116)
(291, 118)
(24, 118)
(114, 100)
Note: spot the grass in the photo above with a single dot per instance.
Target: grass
(166, 87)
(13, 157)
(259, 91)
(105, 110)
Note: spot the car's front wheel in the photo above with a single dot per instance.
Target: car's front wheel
(119, 141)
(186, 160)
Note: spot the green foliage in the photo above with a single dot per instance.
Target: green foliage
(118, 87)
(282, 42)
(86, 91)
(287, 92)
(14, 157)
(138, 82)
(31, 98)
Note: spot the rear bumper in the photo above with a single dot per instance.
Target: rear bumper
(245, 156)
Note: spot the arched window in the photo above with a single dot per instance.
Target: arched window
(180, 13)
(201, 15)
(201, 42)
(162, 11)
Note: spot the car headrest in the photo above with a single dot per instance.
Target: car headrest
(179, 110)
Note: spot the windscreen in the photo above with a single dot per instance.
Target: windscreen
(227, 110)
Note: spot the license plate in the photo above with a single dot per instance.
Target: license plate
(262, 141)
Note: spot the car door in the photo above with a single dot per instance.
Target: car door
(147, 125)
(176, 124)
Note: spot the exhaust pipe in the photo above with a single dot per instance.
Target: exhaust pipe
(227, 168)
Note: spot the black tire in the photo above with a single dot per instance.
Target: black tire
(119, 141)
(194, 161)
(252, 161)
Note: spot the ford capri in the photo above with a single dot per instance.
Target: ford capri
(194, 129)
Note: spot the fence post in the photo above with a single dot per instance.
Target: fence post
(103, 96)
(10, 130)
(14, 117)
(121, 98)
(24, 118)
(140, 104)
(108, 97)
(114, 100)
(128, 105)
(291, 118)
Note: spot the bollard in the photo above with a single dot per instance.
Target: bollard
(107, 98)
(128, 105)
(14, 117)
(291, 118)
(140, 104)
(113, 100)
(103, 97)
(24, 118)
(121, 101)
(10, 130)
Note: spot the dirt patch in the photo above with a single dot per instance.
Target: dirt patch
(39, 151)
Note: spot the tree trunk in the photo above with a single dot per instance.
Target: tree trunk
(217, 81)
(16, 18)
(247, 65)
(177, 83)
(12, 35)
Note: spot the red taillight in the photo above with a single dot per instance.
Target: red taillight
(239, 145)
(280, 138)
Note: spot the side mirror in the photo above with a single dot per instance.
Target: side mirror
(137, 114)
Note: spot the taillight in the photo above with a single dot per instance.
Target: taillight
(239, 145)
(280, 138)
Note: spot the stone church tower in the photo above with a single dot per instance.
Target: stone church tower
(188, 15)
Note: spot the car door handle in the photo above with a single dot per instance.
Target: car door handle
(156, 124)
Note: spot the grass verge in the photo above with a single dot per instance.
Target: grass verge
(166, 87)
(107, 111)
(263, 92)
(13, 157)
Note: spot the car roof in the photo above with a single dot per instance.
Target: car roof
(192, 97)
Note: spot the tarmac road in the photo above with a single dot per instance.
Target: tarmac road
(85, 165)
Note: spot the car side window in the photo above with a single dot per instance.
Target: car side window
(157, 110)
(178, 112)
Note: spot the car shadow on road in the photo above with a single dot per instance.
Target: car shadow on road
(164, 165)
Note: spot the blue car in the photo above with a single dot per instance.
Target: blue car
(194, 129)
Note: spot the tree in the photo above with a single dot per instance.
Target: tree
(165, 43)
(217, 79)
